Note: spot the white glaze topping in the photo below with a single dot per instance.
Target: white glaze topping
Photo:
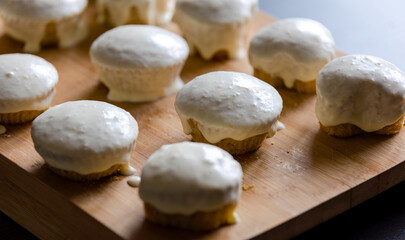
(2, 129)
(214, 11)
(292, 49)
(134, 181)
(27, 82)
(119, 11)
(366, 91)
(85, 136)
(127, 170)
(164, 11)
(26, 20)
(188, 177)
(280, 126)
(139, 46)
(229, 105)
(213, 26)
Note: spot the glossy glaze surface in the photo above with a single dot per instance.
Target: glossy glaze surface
(27, 82)
(188, 177)
(366, 91)
(85, 136)
(229, 105)
(292, 49)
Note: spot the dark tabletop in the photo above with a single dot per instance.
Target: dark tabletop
(371, 27)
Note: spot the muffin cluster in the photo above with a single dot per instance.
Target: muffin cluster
(192, 185)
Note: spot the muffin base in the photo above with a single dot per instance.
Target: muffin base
(140, 84)
(348, 129)
(88, 177)
(277, 82)
(230, 145)
(197, 221)
(19, 117)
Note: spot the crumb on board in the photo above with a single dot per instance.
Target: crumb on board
(272, 143)
(247, 187)
(288, 151)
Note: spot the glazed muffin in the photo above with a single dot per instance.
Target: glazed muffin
(233, 111)
(44, 22)
(291, 52)
(359, 93)
(27, 87)
(191, 185)
(85, 140)
(139, 63)
(120, 12)
(215, 29)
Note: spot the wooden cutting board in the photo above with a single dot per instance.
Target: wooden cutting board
(298, 179)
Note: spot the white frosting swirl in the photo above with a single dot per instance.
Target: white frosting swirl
(366, 91)
(27, 82)
(292, 49)
(187, 177)
(229, 105)
(85, 136)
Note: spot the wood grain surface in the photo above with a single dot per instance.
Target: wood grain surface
(296, 180)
